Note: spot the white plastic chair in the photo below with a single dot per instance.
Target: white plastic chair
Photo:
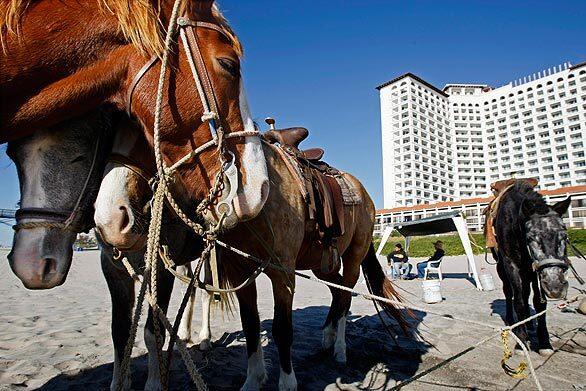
(434, 267)
(391, 271)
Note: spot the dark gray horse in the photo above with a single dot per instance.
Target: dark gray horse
(59, 171)
(531, 253)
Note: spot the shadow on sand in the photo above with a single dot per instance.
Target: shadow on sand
(224, 368)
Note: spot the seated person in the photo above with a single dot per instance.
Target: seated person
(438, 254)
(401, 266)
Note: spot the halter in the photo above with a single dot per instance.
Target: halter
(539, 265)
(211, 114)
(59, 218)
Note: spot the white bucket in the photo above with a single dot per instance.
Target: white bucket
(432, 291)
(486, 280)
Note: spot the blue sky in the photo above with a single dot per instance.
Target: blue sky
(317, 63)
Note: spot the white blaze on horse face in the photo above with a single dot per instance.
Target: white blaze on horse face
(111, 197)
(113, 204)
(255, 186)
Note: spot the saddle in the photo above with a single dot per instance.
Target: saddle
(499, 188)
(318, 184)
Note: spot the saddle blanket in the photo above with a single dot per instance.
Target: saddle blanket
(350, 194)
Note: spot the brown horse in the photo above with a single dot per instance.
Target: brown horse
(54, 68)
(285, 226)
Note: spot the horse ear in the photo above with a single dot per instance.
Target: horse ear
(562, 207)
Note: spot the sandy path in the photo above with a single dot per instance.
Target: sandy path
(60, 339)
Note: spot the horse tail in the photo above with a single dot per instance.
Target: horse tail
(378, 284)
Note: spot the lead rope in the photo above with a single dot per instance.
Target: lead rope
(153, 240)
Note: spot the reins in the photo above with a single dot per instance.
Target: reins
(161, 192)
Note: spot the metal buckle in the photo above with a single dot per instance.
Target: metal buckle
(231, 173)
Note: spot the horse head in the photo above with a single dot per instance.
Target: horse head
(122, 206)
(59, 171)
(546, 238)
(205, 123)
(206, 110)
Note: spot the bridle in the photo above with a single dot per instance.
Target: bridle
(211, 115)
(67, 220)
(539, 265)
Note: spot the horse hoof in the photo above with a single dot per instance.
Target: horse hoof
(205, 345)
(545, 352)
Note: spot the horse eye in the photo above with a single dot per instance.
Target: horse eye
(229, 66)
(78, 159)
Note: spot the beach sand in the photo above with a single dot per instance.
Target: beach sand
(60, 339)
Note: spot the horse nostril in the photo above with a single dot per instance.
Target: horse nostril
(125, 222)
(49, 267)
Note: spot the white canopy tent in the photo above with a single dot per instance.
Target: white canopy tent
(438, 224)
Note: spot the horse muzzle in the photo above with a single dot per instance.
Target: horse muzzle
(41, 257)
(552, 277)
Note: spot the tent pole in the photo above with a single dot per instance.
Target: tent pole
(460, 224)
(386, 235)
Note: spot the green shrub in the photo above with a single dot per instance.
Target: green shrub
(422, 246)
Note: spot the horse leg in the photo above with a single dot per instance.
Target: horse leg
(518, 302)
(256, 373)
(283, 328)
(335, 326)
(205, 333)
(330, 326)
(508, 291)
(184, 331)
(165, 287)
(544, 348)
(526, 293)
(121, 287)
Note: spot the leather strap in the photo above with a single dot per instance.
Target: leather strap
(145, 68)
(200, 67)
(185, 21)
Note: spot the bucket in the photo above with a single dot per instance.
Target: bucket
(486, 280)
(432, 291)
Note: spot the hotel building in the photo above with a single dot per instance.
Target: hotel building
(447, 145)
(443, 147)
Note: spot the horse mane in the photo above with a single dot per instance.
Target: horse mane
(139, 21)
(524, 192)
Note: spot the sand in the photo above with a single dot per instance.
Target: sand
(60, 339)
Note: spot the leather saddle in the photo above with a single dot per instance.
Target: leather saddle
(323, 193)
(499, 188)
(292, 137)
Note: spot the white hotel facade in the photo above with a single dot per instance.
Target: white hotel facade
(448, 145)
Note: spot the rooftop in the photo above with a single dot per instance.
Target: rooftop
(415, 77)
(479, 200)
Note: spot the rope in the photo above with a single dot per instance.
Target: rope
(134, 326)
(517, 373)
(370, 296)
